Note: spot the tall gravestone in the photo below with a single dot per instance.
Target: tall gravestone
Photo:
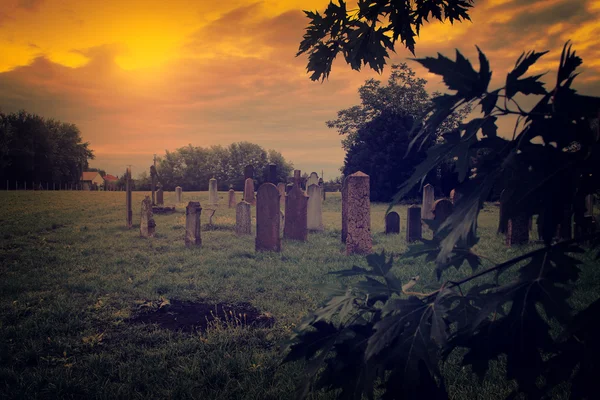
(248, 171)
(267, 218)
(213, 197)
(442, 209)
(313, 179)
(231, 200)
(192, 224)
(281, 189)
(517, 230)
(160, 197)
(392, 223)
(413, 224)
(314, 220)
(243, 219)
(273, 174)
(178, 194)
(428, 198)
(129, 211)
(296, 209)
(249, 191)
(147, 224)
(298, 177)
(358, 214)
(344, 210)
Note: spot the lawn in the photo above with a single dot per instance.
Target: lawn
(74, 279)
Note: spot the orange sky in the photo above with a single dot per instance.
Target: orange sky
(142, 76)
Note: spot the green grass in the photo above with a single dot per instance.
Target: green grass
(71, 275)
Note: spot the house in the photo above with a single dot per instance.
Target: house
(91, 180)
(110, 182)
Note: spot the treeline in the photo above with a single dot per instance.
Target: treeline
(37, 149)
(191, 167)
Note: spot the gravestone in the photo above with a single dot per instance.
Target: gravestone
(243, 219)
(413, 224)
(268, 217)
(231, 200)
(358, 214)
(517, 230)
(249, 191)
(428, 198)
(213, 198)
(178, 194)
(314, 220)
(297, 177)
(296, 210)
(147, 224)
(273, 174)
(192, 224)
(129, 212)
(249, 172)
(344, 210)
(313, 179)
(289, 187)
(392, 223)
(160, 197)
(442, 209)
(153, 175)
(281, 189)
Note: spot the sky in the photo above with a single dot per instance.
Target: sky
(139, 77)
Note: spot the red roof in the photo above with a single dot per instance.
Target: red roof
(110, 178)
(88, 176)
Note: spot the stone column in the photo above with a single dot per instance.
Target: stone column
(296, 209)
(413, 224)
(128, 205)
(243, 219)
(589, 205)
(232, 200)
(358, 214)
(428, 198)
(178, 194)
(213, 198)
(314, 209)
(313, 179)
(192, 224)
(392, 223)
(267, 218)
(147, 224)
(249, 191)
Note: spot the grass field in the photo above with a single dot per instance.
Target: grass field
(72, 278)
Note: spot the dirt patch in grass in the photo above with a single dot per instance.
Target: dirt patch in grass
(193, 317)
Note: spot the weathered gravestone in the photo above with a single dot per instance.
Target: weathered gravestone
(232, 200)
(344, 210)
(428, 198)
(129, 212)
(213, 197)
(273, 174)
(392, 223)
(248, 172)
(413, 224)
(281, 189)
(243, 219)
(442, 209)
(192, 224)
(517, 230)
(160, 197)
(296, 209)
(313, 179)
(147, 224)
(314, 220)
(178, 194)
(358, 214)
(267, 218)
(249, 191)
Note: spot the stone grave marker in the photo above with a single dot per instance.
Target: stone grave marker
(268, 217)
(232, 200)
(249, 191)
(243, 219)
(313, 179)
(392, 223)
(428, 198)
(517, 230)
(589, 205)
(192, 224)
(358, 214)
(178, 194)
(273, 174)
(160, 197)
(213, 197)
(314, 209)
(442, 209)
(322, 185)
(281, 189)
(413, 224)
(249, 172)
(147, 224)
(296, 215)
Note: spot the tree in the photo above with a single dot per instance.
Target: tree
(384, 334)
(364, 35)
(380, 129)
